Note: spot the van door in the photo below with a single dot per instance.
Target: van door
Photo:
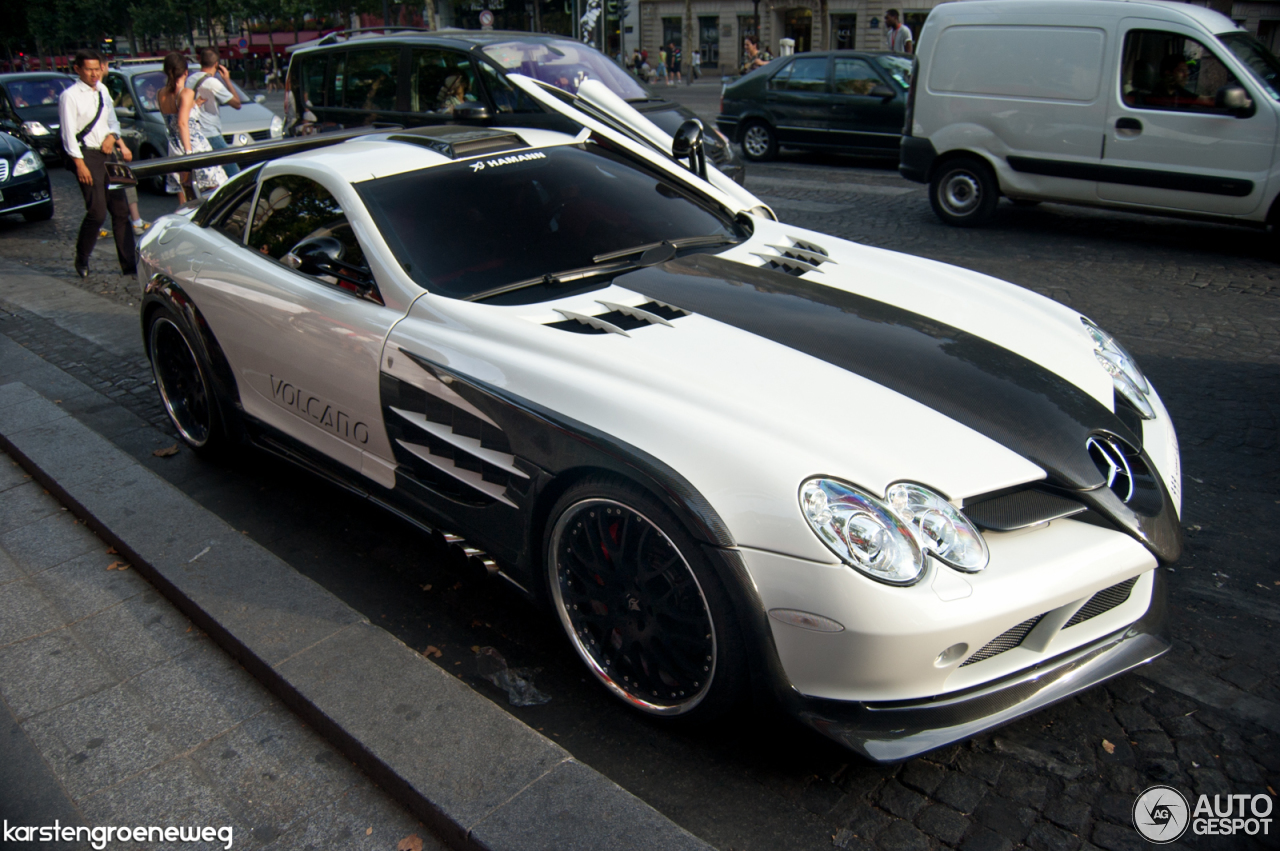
(365, 88)
(1167, 144)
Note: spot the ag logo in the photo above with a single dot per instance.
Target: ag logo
(1161, 815)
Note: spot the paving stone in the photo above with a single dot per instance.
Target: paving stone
(8, 570)
(943, 822)
(360, 820)
(1073, 815)
(84, 585)
(901, 801)
(901, 836)
(24, 612)
(24, 503)
(1115, 838)
(1209, 781)
(1005, 817)
(47, 542)
(868, 823)
(173, 794)
(138, 634)
(1243, 771)
(923, 776)
(985, 839)
(961, 792)
(1153, 742)
(1023, 787)
(982, 766)
(1046, 837)
(1182, 727)
(48, 671)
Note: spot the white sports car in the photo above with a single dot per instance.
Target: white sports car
(908, 501)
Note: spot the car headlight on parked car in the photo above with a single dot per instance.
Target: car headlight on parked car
(888, 539)
(277, 127)
(27, 163)
(1123, 369)
(35, 128)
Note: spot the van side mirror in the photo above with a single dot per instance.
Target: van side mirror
(470, 111)
(688, 144)
(259, 99)
(1235, 100)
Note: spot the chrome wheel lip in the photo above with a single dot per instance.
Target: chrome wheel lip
(756, 140)
(960, 192)
(187, 435)
(666, 710)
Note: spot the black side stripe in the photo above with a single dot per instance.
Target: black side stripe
(1203, 183)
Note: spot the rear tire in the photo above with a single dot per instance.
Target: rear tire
(184, 381)
(39, 214)
(641, 604)
(964, 192)
(759, 142)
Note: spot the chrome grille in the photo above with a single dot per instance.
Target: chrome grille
(4, 170)
(1104, 601)
(1006, 640)
(256, 135)
(795, 259)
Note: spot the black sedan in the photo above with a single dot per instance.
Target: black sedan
(29, 109)
(24, 182)
(844, 100)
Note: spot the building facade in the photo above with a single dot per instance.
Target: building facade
(718, 27)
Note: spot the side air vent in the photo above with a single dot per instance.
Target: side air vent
(795, 259)
(1020, 509)
(620, 319)
(1104, 601)
(1006, 640)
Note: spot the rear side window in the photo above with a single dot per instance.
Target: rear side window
(440, 80)
(370, 80)
(310, 80)
(1043, 63)
(802, 75)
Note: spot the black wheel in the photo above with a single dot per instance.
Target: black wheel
(182, 378)
(641, 604)
(759, 142)
(964, 192)
(39, 214)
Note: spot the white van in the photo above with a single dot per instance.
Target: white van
(1140, 105)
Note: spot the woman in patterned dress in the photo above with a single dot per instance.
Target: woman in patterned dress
(177, 105)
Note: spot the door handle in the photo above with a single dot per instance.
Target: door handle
(1128, 127)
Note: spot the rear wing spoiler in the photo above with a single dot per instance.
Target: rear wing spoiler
(249, 154)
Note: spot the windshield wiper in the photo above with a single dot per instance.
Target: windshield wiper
(683, 242)
(569, 276)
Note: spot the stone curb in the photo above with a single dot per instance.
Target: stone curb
(476, 775)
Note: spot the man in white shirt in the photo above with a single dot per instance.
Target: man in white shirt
(212, 83)
(88, 118)
(898, 35)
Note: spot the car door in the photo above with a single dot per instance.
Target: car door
(1167, 143)
(866, 111)
(798, 97)
(126, 111)
(365, 87)
(304, 345)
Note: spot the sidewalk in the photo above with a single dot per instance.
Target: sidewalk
(117, 710)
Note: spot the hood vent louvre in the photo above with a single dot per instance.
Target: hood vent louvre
(795, 259)
(620, 319)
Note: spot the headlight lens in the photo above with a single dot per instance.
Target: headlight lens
(27, 163)
(1123, 369)
(943, 531)
(35, 128)
(277, 127)
(862, 531)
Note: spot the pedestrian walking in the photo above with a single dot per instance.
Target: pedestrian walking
(88, 120)
(673, 54)
(897, 33)
(178, 105)
(213, 83)
(695, 69)
(753, 56)
(661, 68)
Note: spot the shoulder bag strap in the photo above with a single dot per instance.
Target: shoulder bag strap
(92, 121)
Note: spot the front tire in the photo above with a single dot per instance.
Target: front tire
(39, 214)
(759, 142)
(964, 192)
(641, 604)
(183, 379)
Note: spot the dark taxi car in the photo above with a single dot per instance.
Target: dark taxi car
(29, 109)
(842, 99)
(24, 181)
(415, 78)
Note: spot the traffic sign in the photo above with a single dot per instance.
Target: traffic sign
(486, 19)
(244, 42)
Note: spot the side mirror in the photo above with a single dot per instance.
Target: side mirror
(880, 90)
(126, 112)
(688, 144)
(470, 111)
(1234, 99)
(259, 98)
(323, 256)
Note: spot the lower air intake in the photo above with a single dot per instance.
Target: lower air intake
(1104, 601)
(1006, 640)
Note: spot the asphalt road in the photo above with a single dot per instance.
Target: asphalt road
(1198, 305)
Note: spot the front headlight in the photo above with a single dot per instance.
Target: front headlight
(1123, 369)
(277, 127)
(27, 163)
(888, 539)
(35, 128)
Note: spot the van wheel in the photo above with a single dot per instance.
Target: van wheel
(964, 192)
(759, 142)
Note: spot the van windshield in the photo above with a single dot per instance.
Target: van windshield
(1253, 54)
(565, 64)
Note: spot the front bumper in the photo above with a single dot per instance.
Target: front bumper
(26, 192)
(916, 159)
(899, 730)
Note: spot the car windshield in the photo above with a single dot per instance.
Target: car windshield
(468, 228)
(151, 82)
(1263, 65)
(899, 67)
(564, 64)
(37, 92)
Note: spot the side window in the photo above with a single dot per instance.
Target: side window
(778, 82)
(370, 80)
(234, 222)
(855, 77)
(1168, 71)
(440, 80)
(506, 97)
(295, 215)
(119, 91)
(311, 80)
(808, 74)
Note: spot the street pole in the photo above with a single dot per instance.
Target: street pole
(386, 13)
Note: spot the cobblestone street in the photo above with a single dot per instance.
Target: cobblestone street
(1199, 307)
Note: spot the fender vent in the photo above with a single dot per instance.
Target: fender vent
(1104, 601)
(1020, 509)
(620, 319)
(1006, 640)
(795, 259)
